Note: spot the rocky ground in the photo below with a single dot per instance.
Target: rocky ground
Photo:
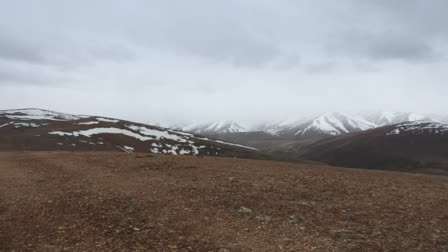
(99, 201)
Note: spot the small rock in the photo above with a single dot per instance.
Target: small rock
(264, 218)
(245, 210)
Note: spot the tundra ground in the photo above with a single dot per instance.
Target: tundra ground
(100, 201)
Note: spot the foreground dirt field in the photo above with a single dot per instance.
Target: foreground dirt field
(72, 201)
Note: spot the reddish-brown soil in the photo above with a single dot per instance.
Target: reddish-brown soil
(98, 201)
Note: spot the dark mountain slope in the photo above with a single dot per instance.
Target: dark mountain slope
(410, 147)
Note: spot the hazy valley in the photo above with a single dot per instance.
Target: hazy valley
(224, 126)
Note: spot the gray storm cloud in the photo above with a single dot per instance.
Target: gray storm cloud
(150, 60)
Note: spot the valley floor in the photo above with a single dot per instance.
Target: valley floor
(99, 201)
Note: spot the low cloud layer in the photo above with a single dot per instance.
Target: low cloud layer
(207, 60)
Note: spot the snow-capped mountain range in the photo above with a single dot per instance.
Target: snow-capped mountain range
(326, 124)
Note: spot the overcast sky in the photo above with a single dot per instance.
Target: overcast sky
(205, 60)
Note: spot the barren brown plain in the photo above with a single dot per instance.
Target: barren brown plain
(109, 201)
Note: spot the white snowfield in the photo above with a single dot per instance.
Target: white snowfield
(38, 114)
(88, 123)
(420, 127)
(96, 131)
(102, 119)
(156, 133)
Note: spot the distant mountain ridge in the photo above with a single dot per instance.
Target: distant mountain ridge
(383, 118)
(219, 127)
(328, 124)
(321, 125)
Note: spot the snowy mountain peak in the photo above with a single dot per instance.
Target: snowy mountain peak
(382, 118)
(219, 127)
(332, 124)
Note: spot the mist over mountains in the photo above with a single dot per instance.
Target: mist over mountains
(224, 125)
(330, 124)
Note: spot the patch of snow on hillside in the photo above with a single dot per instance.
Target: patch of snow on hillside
(158, 134)
(182, 133)
(195, 150)
(172, 151)
(184, 152)
(420, 127)
(22, 124)
(227, 143)
(128, 148)
(6, 124)
(61, 133)
(154, 150)
(125, 148)
(102, 119)
(157, 145)
(96, 131)
(88, 123)
(393, 132)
